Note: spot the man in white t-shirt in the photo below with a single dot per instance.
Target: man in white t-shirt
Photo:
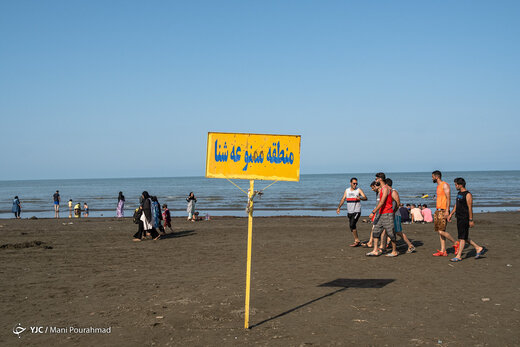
(353, 196)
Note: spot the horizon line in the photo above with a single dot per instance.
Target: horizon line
(202, 176)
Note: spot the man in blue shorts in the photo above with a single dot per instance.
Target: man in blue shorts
(57, 199)
(397, 217)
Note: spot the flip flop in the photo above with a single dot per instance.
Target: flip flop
(454, 260)
(479, 254)
(372, 254)
(391, 255)
(355, 244)
(364, 245)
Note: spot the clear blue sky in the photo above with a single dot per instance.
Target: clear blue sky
(131, 88)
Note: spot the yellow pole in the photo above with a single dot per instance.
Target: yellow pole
(249, 246)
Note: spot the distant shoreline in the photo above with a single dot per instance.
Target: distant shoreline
(224, 216)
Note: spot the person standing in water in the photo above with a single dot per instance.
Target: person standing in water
(85, 209)
(120, 211)
(57, 199)
(17, 207)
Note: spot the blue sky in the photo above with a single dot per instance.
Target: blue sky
(93, 89)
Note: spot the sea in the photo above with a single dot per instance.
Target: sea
(313, 195)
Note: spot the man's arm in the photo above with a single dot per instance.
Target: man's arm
(447, 192)
(381, 202)
(341, 202)
(395, 197)
(469, 200)
(452, 212)
(363, 196)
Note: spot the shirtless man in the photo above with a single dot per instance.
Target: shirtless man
(353, 196)
(442, 214)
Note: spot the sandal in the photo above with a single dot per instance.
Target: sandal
(372, 254)
(411, 250)
(355, 244)
(454, 260)
(365, 245)
(479, 254)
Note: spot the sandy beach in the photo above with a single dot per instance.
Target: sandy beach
(308, 286)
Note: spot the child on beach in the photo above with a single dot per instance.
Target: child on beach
(464, 211)
(85, 209)
(77, 210)
(167, 217)
(70, 208)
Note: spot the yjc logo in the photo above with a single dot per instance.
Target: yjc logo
(18, 330)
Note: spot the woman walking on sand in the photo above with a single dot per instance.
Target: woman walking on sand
(157, 216)
(120, 205)
(191, 199)
(17, 207)
(146, 216)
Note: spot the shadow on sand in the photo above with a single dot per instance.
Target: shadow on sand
(343, 284)
(177, 234)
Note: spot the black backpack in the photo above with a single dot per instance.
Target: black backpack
(137, 215)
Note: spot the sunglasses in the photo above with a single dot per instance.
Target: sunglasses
(354, 184)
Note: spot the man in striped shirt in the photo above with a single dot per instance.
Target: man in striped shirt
(353, 196)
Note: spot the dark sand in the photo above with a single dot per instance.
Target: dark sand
(308, 286)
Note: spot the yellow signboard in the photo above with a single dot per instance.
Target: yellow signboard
(253, 156)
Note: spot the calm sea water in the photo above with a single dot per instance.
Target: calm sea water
(314, 195)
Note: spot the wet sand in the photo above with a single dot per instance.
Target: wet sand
(308, 286)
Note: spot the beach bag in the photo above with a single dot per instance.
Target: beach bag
(137, 215)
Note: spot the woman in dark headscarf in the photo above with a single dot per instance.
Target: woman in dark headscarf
(146, 217)
(156, 215)
(120, 205)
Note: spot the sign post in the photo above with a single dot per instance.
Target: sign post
(249, 249)
(252, 156)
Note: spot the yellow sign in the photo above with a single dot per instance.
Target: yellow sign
(253, 156)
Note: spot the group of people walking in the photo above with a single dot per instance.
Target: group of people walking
(387, 222)
(151, 221)
(120, 210)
